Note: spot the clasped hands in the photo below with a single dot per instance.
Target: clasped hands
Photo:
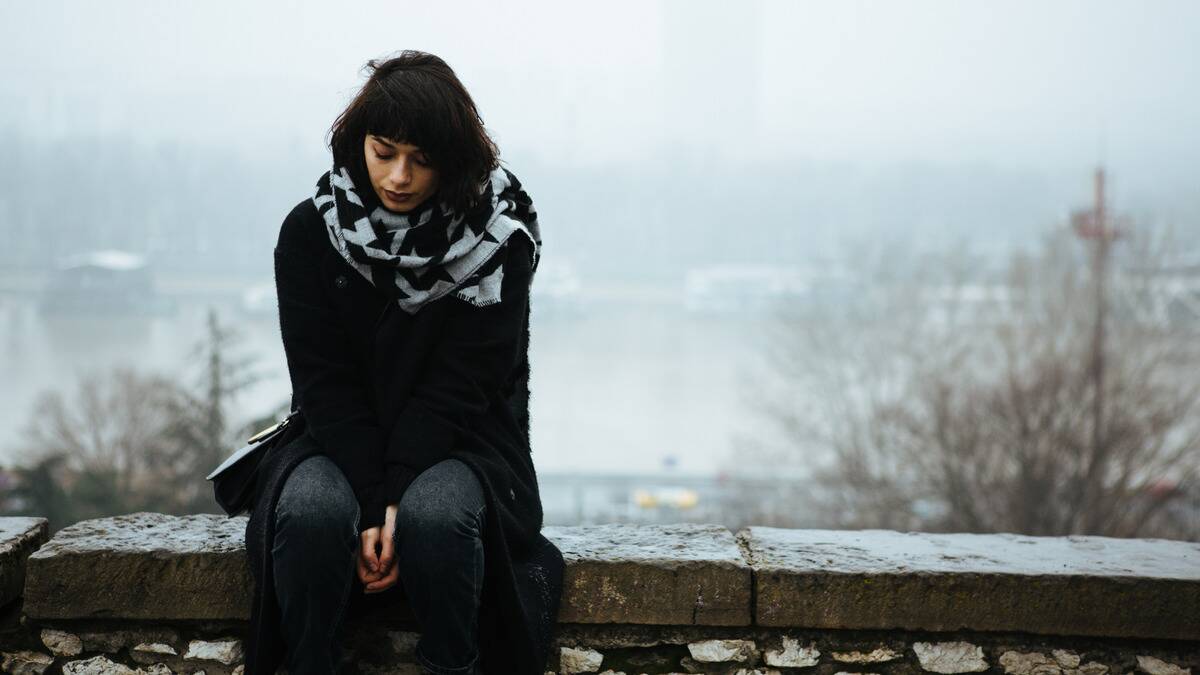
(379, 571)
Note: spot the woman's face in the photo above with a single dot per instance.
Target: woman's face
(400, 173)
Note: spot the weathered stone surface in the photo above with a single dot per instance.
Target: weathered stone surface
(792, 654)
(150, 652)
(1155, 666)
(97, 665)
(25, 662)
(1029, 663)
(721, 651)
(985, 582)
(877, 655)
(608, 636)
(950, 657)
(61, 643)
(116, 640)
(227, 651)
(1065, 658)
(1060, 662)
(572, 661)
(19, 537)
(122, 567)
(652, 574)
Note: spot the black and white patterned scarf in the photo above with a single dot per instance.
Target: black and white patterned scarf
(420, 256)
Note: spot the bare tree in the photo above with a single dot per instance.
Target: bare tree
(944, 402)
(107, 444)
(132, 441)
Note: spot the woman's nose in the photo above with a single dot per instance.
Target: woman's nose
(401, 174)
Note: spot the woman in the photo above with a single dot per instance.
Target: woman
(403, 286)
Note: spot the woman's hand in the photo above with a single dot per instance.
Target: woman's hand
(378, 571)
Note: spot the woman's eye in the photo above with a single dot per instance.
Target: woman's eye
(382, 157)
(423, 161)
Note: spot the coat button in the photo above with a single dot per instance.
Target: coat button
(341, 281)
(512, 495)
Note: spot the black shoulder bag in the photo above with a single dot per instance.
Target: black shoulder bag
(233, 481)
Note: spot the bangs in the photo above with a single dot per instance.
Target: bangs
(407, 117)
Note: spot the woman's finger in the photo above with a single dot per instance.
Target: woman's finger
(369, 539)
(364, 575)
(388, 546)
(384, 583)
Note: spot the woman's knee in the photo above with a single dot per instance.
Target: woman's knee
(317, 500)
(445, 498)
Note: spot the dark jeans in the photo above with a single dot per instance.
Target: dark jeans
(438, 547)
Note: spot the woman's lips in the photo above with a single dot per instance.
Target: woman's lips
(397, 196)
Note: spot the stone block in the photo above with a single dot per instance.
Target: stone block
(1075, 585)
(25, 662)
(573, 660)
(950, 657)
(142, 566)
(684, 574)
(19, 537)
(722, 651)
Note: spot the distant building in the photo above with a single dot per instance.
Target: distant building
(103, 282)
(740, 287)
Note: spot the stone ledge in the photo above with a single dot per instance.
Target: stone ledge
(653, 574)
(19, 538)
(882, 579)
(123, 568)
(690, 575)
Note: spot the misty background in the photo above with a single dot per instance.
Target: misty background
(658, 140)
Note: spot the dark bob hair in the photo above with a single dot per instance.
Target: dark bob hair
(416, 98)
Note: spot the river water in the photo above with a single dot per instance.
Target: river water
(623, 380)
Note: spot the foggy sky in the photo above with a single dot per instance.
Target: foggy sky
(1057, 85)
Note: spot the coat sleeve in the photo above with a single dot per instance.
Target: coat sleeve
(466, 373)
(326, 386)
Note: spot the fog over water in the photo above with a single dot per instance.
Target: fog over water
(656, 139)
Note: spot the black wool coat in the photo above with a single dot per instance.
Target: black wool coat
(386, 395)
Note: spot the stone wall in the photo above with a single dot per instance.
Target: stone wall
(149, 593)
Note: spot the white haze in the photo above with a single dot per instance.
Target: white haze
(654, 136)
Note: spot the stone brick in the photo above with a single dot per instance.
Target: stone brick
(150, 652)
(20, 536)
(1065, 658)
(722, 651)
(1155, 666)
(97, 665)
(25, 662)
(950, 657)
(227, 651)
(1029, 663)
(792, 655)
(122, 568)
(684, 574)
(572, 660)
(877, 655)
(868, 579)
(61, 643)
